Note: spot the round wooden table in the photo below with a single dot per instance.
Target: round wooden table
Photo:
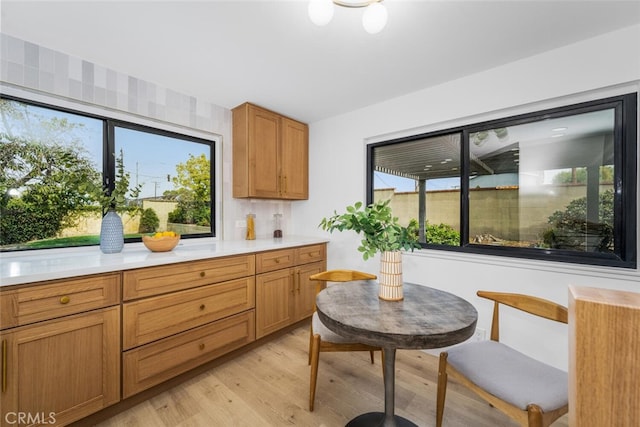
(426, 318)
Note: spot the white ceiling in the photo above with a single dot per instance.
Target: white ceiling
(270, 53)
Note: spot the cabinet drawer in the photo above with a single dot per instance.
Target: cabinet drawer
(154, 363)
(158, 280)
(58, 298)
(309, 254)
(158, 317)
(275, 260)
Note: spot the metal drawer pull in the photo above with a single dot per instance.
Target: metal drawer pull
(201, 346)
(65, 300)
(293, 282)
(202, 274)
(202, 307)
(277, 260)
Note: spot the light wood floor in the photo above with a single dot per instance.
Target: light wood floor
(269, 386)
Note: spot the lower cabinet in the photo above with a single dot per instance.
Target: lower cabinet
(167, 333)
(72, 347)
(61, 370)
(285, 296)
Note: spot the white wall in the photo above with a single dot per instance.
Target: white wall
(599, 67)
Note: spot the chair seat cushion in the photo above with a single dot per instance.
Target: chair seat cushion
(325, 333)
(511, 375)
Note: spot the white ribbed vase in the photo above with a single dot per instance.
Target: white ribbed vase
(390, 278)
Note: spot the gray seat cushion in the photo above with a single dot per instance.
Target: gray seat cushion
(325, 333)
(511, 375)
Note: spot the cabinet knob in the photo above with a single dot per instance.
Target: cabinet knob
(65, 299)
(277, 260)
(202, 274)
(201, 346)
(202, 307)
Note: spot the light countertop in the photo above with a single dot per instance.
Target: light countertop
(34, 266)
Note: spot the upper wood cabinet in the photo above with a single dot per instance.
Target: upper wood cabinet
(270, 155)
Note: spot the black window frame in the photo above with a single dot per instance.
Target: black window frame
(109, 155)
(625, 183)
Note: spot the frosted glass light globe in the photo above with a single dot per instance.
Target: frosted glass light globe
(374, 18)
(320, 11)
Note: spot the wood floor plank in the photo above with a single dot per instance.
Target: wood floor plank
(269, 386)
(222, 406)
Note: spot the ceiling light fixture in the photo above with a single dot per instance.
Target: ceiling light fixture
(374, 17)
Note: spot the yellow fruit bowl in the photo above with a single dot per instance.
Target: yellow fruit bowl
(160, 243)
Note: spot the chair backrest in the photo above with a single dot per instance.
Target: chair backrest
(527, 303)
(339, 276)
(342, 276)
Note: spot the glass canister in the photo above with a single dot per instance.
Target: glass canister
(277, 225)
(251, 227)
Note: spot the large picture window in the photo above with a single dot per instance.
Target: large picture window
(57, 166)
(557, 184)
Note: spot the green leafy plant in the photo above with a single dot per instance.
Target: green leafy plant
(442, 234)
(570, 228)
(380, 230)
(149, 221)
(192, 191)
(117, 198)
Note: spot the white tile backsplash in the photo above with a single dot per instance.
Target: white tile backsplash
(75, 68)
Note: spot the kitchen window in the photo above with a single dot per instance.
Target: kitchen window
(556, 185)
(54, 160)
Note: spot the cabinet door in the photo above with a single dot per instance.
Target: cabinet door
(306, 289)
(264, 136)
(275, 295)
(61, 370)
(294, 157)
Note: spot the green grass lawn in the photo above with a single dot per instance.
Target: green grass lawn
(66, 242)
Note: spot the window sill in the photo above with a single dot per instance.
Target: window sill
(535, 265)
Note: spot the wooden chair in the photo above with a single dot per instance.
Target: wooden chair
(531, 392)
(322, 338)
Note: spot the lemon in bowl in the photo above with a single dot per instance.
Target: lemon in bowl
(161, 241)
